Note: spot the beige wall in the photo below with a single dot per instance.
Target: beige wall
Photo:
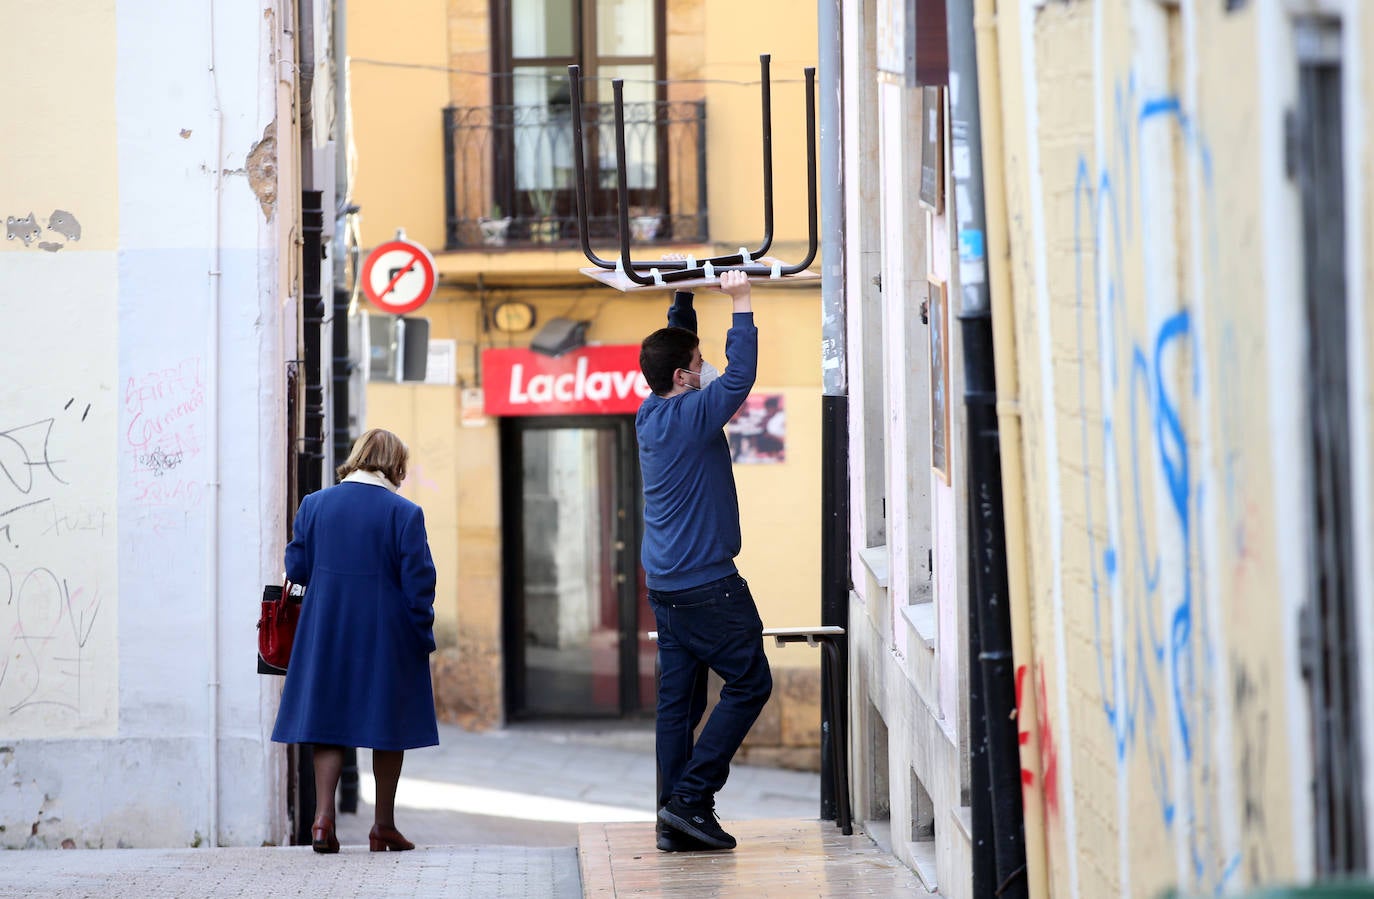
(66, 157)
(443, 47)
(1158, 316)
(398, 85)
(736, 34)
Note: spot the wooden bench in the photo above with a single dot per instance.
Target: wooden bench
(829, 638)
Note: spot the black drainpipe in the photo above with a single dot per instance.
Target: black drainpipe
(341, 372)
(310, 474)
(310, 449)
(999, 851)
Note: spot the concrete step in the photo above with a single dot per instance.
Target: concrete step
(775, 858)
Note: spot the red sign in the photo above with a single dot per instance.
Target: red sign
(398, 276)
(594, 380)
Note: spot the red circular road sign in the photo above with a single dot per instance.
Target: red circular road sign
(398, 276)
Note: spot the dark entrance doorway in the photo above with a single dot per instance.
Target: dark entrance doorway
(575, 608)
(1330, 644)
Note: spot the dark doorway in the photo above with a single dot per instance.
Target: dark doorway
(1330, 654)
(575, 607)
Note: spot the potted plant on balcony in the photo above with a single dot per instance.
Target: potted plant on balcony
(644, 223)
(494, 228)
(544, 228)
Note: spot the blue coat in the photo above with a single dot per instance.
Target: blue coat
(359, 670)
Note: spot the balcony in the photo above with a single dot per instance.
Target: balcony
(509, 174)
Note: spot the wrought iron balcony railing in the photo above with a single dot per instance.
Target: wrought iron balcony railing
(509, 174)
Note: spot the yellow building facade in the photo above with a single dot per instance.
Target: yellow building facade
(459, 116)
(1181, 183)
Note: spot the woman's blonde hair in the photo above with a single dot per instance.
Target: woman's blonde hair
(380, 451)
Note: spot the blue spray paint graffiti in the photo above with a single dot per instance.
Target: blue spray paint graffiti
(1154, 654)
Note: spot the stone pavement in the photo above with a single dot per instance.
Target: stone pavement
(461, 871)
(533, 784)
(498, 815)
(787, 858)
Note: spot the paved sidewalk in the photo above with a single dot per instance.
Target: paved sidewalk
(478, 872)
(533, 784)
(495, 815)
(791, 859)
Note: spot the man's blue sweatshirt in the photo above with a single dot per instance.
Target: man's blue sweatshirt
(691, 510)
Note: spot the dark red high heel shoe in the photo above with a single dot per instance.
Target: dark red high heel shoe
(381, 839)
(322, 838)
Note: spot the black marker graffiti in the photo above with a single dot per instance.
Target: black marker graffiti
(159, 461)
(23, 450)
(43, 664)
(31, 471)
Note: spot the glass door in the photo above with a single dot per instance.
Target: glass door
(574, 604)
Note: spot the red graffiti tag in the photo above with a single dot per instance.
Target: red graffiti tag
(1022, 735)
(1049, 756)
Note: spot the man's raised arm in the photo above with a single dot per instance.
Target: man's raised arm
(680, 313)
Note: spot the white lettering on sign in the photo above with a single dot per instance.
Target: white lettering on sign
(575, 385)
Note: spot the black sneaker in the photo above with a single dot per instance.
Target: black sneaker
(669, 840)
(696, 821)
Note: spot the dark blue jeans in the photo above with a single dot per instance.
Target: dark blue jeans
(713, 626)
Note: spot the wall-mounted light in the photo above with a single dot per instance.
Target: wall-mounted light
(559, 336)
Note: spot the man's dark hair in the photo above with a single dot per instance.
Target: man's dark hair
(664, 352)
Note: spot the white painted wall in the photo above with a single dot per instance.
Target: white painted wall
(143, 368)
(904, 633)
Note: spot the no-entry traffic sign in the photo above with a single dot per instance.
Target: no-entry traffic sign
(398, 276)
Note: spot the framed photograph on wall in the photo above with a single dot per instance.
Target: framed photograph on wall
(938, 315)
(933, 149)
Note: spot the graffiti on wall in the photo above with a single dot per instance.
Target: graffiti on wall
(165, 413)
(1251, 702)
(50, 602)
(1045, 742)
(1155, 655)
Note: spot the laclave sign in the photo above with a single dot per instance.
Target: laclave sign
(593, 380)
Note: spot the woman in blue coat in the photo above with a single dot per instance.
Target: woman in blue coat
(359, 670)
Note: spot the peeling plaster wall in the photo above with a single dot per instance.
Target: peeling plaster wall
(128, 557)
(1156, 265)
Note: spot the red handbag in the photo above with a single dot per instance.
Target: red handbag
(277, 626)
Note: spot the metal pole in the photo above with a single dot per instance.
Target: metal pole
(834, 400)
(989, 611)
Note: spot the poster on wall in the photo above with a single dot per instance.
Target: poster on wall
(758, 432)
(938, 307)
(933, 149)
(441, 367)
(472, 411)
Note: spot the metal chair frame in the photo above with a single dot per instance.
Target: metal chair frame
(664, 272)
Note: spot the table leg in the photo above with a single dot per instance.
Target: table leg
(839, 740)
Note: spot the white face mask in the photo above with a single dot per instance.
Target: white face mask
(707, 374)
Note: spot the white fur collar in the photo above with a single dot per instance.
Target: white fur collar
(375, 478)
